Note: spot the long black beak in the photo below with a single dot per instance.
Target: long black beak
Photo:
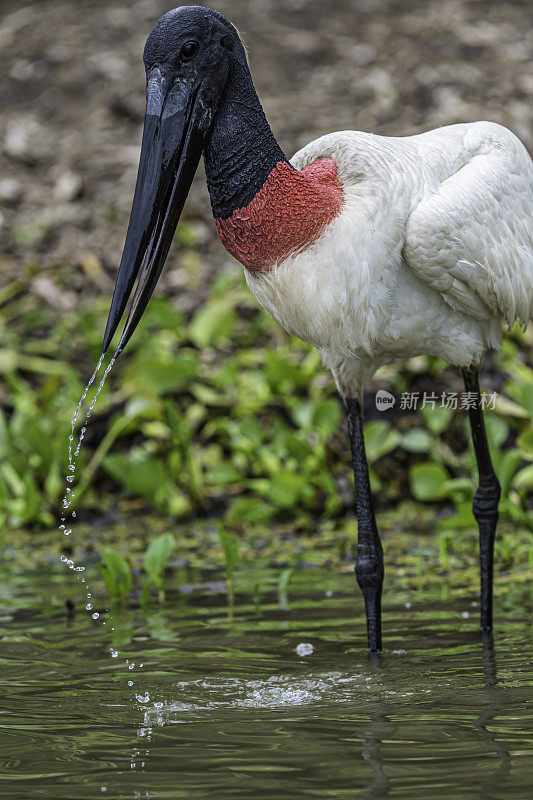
(173, 140)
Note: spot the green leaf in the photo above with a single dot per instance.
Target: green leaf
(213, 323)
(380, 439)
(284, 488)
(524, 394)
(326, 417)
(506, 468)
(462, 519)
(497, 432)
(248, 509)
(523, 480)
(428, 481)
(222, 475)
(116, 574)
(230, 549)
(283, 587)
(437, 419)
(159, 377)
(143, 477)
(156, 558)
(416, 441)
(525, 443)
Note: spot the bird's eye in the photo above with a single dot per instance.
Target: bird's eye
(188, 50)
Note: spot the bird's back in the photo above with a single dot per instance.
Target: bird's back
(461, 199)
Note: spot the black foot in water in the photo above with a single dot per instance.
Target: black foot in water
(487, 497)
(485, 509)
(370, 579)
(369, 568)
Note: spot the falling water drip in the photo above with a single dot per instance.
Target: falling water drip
(78, 407)
(93, 401)
(70, 496)
(69, 499)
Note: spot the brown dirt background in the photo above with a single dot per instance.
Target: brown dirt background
(72, 105)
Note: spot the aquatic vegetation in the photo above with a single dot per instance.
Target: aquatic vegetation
(217, 413)
(155, 562)
(116, 574)
(283, 587)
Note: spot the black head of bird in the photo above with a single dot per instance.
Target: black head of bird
(195, 63)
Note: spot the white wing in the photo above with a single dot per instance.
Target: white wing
(471, 238)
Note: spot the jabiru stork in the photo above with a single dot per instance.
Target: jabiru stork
(370, 248)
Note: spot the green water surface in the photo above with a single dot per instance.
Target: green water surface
(222, 709)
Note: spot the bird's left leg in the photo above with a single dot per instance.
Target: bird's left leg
(369, 566)
(486, 498)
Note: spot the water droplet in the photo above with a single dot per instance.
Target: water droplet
(304, 649)
(62, 558)
(71, 467)
(131, 666)
(67, 532)
(74, 514)
(95, 615)
(130, 683)
(114, 653)
(408, 605)
(88, 607)
(143, 698)
(70, 478)
(61, 527)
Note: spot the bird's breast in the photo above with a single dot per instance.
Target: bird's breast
(289, 213)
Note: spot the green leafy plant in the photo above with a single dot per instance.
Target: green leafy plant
(283, 587)
(155, 562)
(428, 481)
(116, 573)
(217, 412)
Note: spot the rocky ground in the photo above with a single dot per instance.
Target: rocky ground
(72, 105)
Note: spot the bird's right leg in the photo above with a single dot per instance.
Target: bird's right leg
(486, 498)
(369, 566)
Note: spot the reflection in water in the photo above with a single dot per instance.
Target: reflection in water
(495, 706)
(379, 728)
(223, 711)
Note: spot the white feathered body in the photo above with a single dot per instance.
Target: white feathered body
(431, 252)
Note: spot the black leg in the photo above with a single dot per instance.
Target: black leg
(486, 498)
(369, 567)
